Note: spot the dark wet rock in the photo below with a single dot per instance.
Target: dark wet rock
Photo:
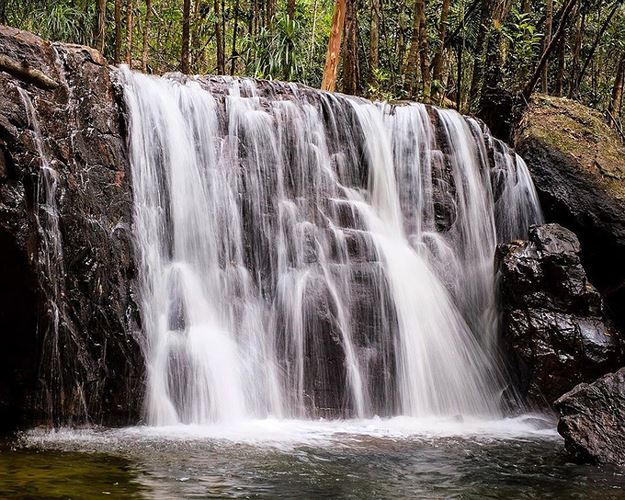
(553, 325)
(592, 420)
(67, 318)
(578, 166)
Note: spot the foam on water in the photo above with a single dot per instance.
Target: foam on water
(287, 434)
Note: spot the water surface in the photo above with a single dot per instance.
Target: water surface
(377, 458)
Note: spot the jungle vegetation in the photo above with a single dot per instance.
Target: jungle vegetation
(456, 53)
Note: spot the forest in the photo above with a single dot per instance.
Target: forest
(454, 53)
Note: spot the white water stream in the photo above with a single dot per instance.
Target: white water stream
(302, 254)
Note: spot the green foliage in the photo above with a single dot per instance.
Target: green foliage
(525, 42)
(378, 86)
(268, 44)
(276, 52)
(53, 19)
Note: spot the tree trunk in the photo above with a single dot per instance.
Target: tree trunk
(99, 35)
(334, 46)
(459, 84)
(424, 54)
(350, 58)
(117, 54)
(495, 103)
(617, 90)
(399, 48)
(546, 41)
(234, 55)
(493, 60)
(529, 88)
(561, 64)
(478, 64)
(604, 27)
(374, 38)
(412, 62)
(313, 32)
(577, 51)
(221, 59)
(186, 37)
(129, 33)
(146, 34)
(437, 73)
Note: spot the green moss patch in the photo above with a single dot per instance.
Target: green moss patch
(581, 133)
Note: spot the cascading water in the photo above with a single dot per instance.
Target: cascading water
(51, 256)
(304, 254)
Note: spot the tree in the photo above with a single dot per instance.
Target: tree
(219, 39)
(417, 52)
(334, 46)
(234, 55)
(581, 25)
(616, 99)
(546, 40)
(478, 64)
(99, 35)
(186, 37)
(351, 83)
(529, 88)
(437, 73)
(602, 30)
(146, 34)
(493, 59)
(129, 16)
(118, 32)
(374, 37)
(424, 58)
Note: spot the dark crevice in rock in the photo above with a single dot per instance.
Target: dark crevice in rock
(18, 328)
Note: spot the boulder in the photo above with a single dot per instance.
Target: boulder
(592, 420)
(578, 165)
(554, 330)
(68, 318)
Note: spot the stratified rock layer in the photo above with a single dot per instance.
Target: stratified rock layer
(553, 325)
(592, 420)
(67, 315)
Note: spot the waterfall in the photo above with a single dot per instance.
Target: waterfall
(307, 254)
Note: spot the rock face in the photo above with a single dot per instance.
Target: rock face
(592, 420)
(67, 316)
(553, 326)
(578, 166)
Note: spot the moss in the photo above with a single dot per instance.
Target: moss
(579, 132)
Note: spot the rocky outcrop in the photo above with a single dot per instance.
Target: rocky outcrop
(67, 317)
(553, 325)
(578, 166)
(592, 420)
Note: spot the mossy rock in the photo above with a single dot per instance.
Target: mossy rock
(578, 165)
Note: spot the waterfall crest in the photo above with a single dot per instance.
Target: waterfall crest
(307, 254)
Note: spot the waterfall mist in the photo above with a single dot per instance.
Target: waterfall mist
(306, 254)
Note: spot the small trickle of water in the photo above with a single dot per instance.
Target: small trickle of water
(305, 254)
(50, 253)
